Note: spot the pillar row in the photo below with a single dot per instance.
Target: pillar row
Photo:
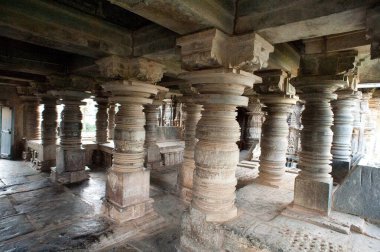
(185, 172)
(274, 138)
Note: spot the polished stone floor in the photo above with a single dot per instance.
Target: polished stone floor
(37, 215)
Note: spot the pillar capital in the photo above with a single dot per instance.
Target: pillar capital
(213, 48)
(274, 81)
(141, 69)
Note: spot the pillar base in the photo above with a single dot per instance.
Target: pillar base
(185, 194)
(71, 165)
(314, 195)
(261, 181)
(68, 177)
(46, 165)
(197, 234)
(124, 214)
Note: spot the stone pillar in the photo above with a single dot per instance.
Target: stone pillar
(317, 84)
(342, 129)
(365, 118)
(70, 163)
(101, 120)
(255, 121)
(111, 120)
(357, 125)
(153, 155)
(127, 188)
(48, 133)
(277, 96)
(216, 153)
(186, 171)
(31, 117)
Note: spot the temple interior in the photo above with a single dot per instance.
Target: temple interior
(185, 125)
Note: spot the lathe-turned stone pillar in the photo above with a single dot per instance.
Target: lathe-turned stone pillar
(342, 129)
(71, 162)
(101, 120)
(48, 133)
(127, 188)
(372, 128)
(216, 153)
(278, 97)
(186, 171)
(255, 121)
(111, 120)
(153, 155)
(317, 84)
(32, 130)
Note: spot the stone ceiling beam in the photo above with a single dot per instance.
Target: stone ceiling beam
(284, 29)
(184, 16)
(52, 25)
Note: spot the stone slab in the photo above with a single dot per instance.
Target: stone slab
(14, 226)
(70, 160)
(313, 195)
(340, 169)
(359, 193)
(6, 207)
(69, 177)
(34, 185)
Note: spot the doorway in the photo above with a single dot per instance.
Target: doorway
(6, 138)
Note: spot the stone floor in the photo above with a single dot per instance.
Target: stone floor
(37, 215)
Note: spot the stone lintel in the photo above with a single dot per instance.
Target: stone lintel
(327, 64)
(71, 82)
(141, 69)
(274, 82)
(213, 48)
(373, 30)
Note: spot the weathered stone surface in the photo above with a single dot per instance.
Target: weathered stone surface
(359, 193)
(6, 207)
(31, 117)
(373, 19)
(14, 226)
(111, 120)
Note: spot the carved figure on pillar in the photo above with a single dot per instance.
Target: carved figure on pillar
(216, 63)
(101, 120)
(127, 188)
(255, 119)
(278, 97)
(317, 84)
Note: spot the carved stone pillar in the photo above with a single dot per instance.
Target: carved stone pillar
(216, 154)
(127, 188)
(31, 117)
(186, 171)
(153, 155)
(48, 133)
(255, 121)
(111, 120)
(101, 120)
(277, 96)
(317, 83)
(70, 163)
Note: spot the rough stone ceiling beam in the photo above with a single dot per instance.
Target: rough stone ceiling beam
(52, 25)
(184, 16)
(19, 76)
